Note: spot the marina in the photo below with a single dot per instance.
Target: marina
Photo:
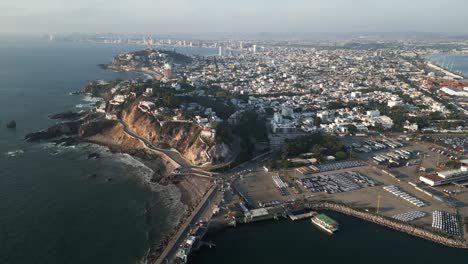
(310, 243)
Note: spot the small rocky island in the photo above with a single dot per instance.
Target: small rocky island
(171, 124)
(11, 124)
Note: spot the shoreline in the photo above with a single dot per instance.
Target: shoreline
(156, 246)
(435, 65)
(148, 74)
(397, 226)
(190, 197)
(445, 71)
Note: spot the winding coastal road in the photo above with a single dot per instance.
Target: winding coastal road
(204, 209)
(176, 157)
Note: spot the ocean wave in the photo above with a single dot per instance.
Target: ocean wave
(92, 99)
(88, 102)
(14, 153)
(169, 195)
(48, 145)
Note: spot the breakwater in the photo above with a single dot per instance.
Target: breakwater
(396, 225)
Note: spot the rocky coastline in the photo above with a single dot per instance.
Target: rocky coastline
(88, 127)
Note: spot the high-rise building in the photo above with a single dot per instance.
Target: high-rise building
(220, 51)
(254, 48)
(167, 71)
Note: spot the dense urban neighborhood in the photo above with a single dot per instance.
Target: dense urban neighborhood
(263, 131)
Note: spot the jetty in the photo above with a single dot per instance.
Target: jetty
(295, 217)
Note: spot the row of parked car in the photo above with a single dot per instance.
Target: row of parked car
(376, 145)
(458, 144)
(409, 216)
(395, 190)
(443, 152)
(447, 222)
(337, 183)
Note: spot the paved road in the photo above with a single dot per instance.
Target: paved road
(211, 198)
(175, 156)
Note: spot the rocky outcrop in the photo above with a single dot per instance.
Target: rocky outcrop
(99, 90)
(69, 115)
(62, 129)
(182, 136)
(92, 128)
(115, 138)
(11, 124)
(220, 152)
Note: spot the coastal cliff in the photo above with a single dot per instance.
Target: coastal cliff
(185, 137)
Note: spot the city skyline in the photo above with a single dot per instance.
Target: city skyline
(209, 16)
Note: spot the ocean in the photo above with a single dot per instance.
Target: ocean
(56, 205)
(357, 241)
(453, 62)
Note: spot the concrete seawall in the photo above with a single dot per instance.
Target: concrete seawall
(399, 226)
(446, 72)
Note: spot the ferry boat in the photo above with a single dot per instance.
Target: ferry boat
(326, 223)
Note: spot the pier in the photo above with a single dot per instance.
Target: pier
(294, 217)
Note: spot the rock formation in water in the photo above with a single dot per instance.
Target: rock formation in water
(11, 124)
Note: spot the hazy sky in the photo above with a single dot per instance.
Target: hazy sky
(180, 16)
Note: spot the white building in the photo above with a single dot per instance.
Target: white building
(111, 116)
(148, 92)
(393, 103)
(447, 177)
(287, 111)
(118, 99)
(373, 113)
(412, 127)
(454, 91)
(208, 133)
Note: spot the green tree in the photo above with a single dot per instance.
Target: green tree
(340, 155)
(317, 121)
(352, 129)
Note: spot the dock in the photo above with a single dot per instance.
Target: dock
(295, 217)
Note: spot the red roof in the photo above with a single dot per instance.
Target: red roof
(433, 177)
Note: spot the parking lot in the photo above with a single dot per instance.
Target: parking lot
(260, 186)
(336, 183)
(409, 216)
(446, 222)
(397, 191)
(333, 166)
